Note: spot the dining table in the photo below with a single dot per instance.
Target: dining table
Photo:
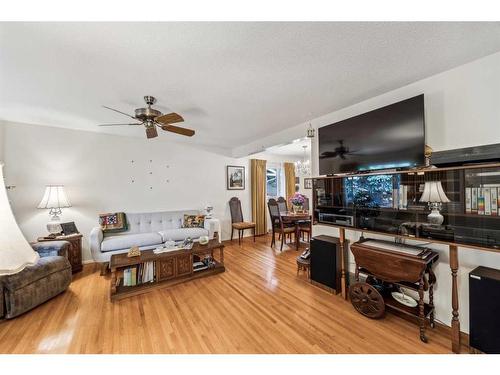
(295, 217)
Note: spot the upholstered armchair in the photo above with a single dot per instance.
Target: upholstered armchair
(36, 284)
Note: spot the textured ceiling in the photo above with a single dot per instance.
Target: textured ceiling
(232, 82)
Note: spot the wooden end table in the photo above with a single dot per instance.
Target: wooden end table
(171, 268)
(75, 249)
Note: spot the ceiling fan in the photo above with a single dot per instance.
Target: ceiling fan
(151, 118)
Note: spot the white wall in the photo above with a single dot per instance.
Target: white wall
(2, 140)
(462, 109)
(97, 172)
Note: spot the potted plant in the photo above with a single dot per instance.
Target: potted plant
(297, 201)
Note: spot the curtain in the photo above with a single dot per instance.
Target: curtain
(258, 182)
(289, 179)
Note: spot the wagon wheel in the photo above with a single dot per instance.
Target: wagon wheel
(367, 300)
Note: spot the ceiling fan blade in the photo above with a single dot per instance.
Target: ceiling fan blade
(118, 124)
(151, 132)
(169, 118)
(123, 113)
(178, 130)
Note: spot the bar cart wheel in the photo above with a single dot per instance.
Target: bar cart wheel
(367, 300)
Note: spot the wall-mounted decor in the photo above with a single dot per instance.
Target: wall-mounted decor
(235, 177)
(308, 183)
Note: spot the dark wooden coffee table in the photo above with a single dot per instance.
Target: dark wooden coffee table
(171, 268)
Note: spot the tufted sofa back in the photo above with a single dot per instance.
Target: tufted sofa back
(156, 221)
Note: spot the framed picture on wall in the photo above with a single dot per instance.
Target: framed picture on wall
(235, 177)
(308, 183)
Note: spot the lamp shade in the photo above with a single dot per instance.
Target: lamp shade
(434, 193)
(15, 252)
(54, 197)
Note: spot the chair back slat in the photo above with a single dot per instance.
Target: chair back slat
(274, 212)
(282, 204)
(235, 208)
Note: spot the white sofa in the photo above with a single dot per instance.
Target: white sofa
(148, 231)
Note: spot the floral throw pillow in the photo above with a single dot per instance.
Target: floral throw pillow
(194, 221)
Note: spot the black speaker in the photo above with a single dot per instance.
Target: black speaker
(484, 309)
(325, 261)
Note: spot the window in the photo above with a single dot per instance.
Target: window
(274, 182)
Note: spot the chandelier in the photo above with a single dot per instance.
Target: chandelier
(303, 167)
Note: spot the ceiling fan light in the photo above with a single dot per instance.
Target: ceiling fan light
(150, 118)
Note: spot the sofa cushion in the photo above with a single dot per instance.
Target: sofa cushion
(156, 221)
(31, 274)
(183, 233)
(126, 241)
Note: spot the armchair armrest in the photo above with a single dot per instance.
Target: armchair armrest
(95, 240)
(52, 248)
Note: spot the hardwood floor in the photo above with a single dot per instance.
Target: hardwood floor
(258, 305)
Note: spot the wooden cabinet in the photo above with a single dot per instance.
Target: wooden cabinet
(75, 249)
(184, 264)
(390, 203)
(166, 269)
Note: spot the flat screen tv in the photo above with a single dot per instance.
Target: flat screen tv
(385, 138)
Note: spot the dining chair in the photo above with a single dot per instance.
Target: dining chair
(305, 226)
(277, 224)
(282, 204)
(237, 221)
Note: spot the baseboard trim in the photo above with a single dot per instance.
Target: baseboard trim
(324, 287)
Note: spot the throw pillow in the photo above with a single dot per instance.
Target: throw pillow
(114, 222)
(194, 221)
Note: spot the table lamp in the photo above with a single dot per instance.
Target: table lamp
(54, 198)
(434, 195)
(15, 252)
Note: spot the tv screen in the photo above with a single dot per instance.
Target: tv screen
(386, 138)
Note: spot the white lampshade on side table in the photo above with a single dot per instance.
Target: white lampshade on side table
(15, 252)
(54, 198)
(435, 196)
